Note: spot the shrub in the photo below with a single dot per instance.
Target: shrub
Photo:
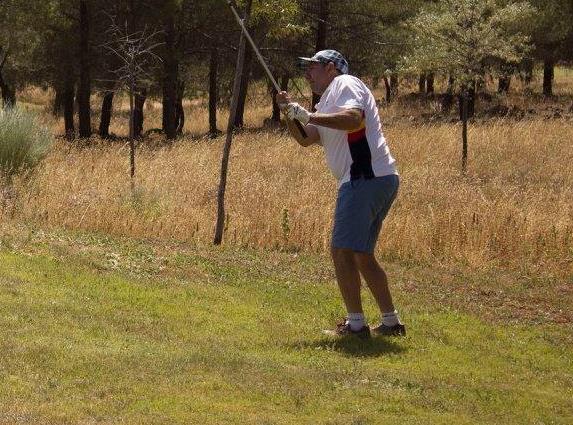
(23, 141)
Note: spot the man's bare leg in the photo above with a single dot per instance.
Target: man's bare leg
(376, 280)
(348, 278)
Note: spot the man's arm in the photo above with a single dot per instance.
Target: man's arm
(312, 135)
(348, 119)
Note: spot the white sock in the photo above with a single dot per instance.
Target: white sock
(356, 321)
(391, 318)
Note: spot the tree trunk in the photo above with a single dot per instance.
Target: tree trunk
(528, 71)
(276, 115)
(321, 37)
(69, 94)
(284, 82)
(394, 85)
(245, 78)
(179, 111)
(448, 100)
(469, 97)
(58, 103)
(388, 89)
(284, 87)
(430, 83)
(472, 100)
(548, 75)
(464, 131)
(213, 92)
(422, 83)
(139, 99)
(132, 136)
(106, 108)
(8, 94)
(84, 89)
(170, 67)
(504, 84)
(219, 227)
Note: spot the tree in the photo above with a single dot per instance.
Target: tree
(19, 43)
(57, 58)
(136, 54)
(465, 39)
(170, 77)
(552, 35)
(84, 88)
(370, 33)
(208, 46)
(8, 93)
(273, 25)
(220, 224)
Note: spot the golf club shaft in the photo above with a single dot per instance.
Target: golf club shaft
(261, 60)
(255, 49)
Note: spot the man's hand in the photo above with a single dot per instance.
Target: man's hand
(296, 112)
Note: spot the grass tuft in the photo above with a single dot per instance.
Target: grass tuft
(23, 141)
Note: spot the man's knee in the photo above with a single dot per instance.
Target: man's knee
(365, 261)
(342, 255)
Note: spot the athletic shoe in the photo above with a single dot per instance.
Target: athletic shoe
(343, 329)
(396, 330)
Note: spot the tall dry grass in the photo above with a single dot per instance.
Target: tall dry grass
(514, 207)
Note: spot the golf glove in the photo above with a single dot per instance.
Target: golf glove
(296, 112)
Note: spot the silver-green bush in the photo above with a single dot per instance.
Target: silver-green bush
(23, 141)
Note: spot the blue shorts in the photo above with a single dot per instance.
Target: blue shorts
(361, 207)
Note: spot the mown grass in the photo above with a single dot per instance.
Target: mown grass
(97, 330)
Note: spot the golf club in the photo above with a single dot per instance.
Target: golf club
(261, 60)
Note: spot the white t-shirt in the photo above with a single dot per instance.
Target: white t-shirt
(362, 152)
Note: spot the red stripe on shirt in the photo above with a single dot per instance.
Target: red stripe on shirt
(357, 135)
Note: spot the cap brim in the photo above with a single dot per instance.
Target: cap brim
(302, 59)
(303, 62)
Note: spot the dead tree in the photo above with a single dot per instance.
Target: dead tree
(136, 53)
(239, 69)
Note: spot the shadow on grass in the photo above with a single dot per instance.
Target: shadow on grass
(352, 346)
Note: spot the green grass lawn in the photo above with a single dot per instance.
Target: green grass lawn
(95, 330)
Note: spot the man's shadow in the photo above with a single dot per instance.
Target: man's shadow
(353, 346)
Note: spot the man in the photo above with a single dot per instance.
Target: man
(347, 125)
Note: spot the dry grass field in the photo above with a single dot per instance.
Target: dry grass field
(514, 208)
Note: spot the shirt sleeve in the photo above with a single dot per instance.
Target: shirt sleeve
(350, 95)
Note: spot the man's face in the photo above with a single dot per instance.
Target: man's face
(319, 76)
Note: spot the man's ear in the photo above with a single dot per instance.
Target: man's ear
(332, 67)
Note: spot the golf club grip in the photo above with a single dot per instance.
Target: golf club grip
(300, 128)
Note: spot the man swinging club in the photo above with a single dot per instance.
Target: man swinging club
(347, 125)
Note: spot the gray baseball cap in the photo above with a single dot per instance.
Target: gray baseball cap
(326, 56)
